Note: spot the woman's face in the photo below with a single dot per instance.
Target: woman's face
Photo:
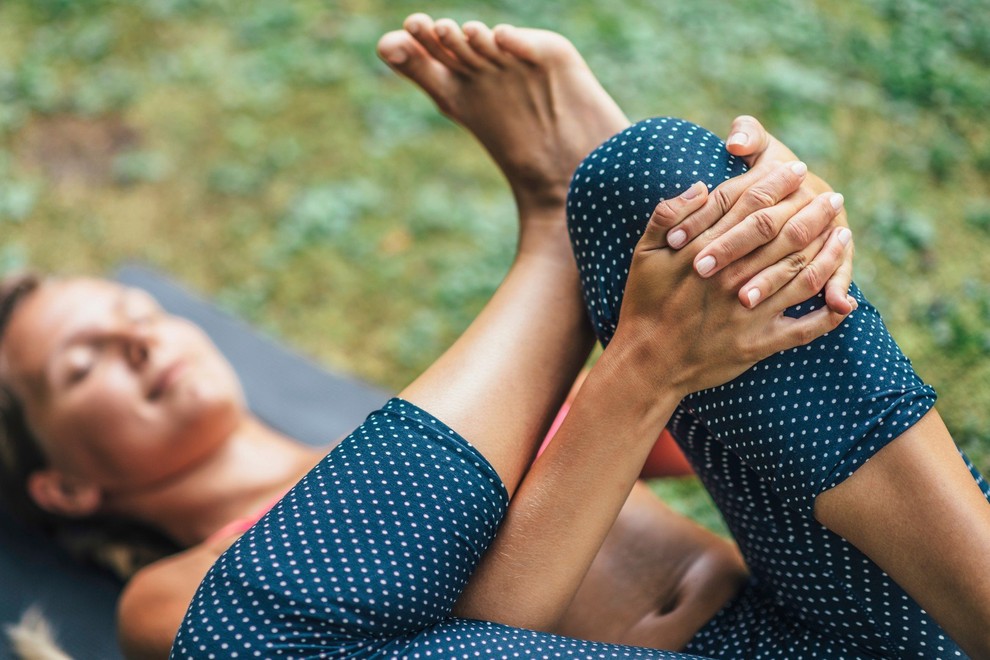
(120, 394)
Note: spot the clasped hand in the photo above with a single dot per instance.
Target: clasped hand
(713, 273)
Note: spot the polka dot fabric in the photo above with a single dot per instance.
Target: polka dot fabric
(365, 557)
(766, 444)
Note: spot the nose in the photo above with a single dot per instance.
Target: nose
(136, 351)
(136, 343)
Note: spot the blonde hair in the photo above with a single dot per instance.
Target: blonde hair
(32, 638)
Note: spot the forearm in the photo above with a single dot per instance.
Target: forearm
(501, 383)
(568, 502)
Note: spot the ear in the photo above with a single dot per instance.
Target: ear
(58, 493)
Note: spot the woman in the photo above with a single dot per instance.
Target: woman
(508, 316)
(787, 475)
(117, 411)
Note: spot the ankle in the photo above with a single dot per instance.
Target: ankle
(543, 232)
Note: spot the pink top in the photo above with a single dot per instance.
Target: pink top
(240, 525)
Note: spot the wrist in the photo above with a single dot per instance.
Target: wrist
(641, 358)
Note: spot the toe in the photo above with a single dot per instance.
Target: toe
(395, 47)
(534, 46)
(404, 54)
(451, 36)
(481, 39)
(423, 30)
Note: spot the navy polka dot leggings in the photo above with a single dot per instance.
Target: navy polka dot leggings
(366, 556)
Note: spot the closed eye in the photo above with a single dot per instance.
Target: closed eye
(81, 361)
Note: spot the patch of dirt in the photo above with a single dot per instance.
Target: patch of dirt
(76, 150)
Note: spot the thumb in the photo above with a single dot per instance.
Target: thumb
(671, 212)
(747, 138)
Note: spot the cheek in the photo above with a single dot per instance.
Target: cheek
(96, 428)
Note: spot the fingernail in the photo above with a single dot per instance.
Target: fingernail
(412, 28)
(677, 238)
(441, 30)
(737, 138)
(852, 302)
(754, 296)
(845, 235)
(398, 56)
(799, 168)
(706, 265)
(693, 191)
(836, 200)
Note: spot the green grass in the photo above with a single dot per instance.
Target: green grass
(261, 153)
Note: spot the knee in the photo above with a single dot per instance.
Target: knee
(614, 191)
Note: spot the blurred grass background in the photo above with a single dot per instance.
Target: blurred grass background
(259, 152)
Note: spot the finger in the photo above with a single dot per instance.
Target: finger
(451, 36)
(786, 332)
(756, 230)
(670, 212)
(747, 137)
(423, 30)
(725, 207)
(798, 233)
(812, 278)
(773, 278)
(837, 288)
(775, 186)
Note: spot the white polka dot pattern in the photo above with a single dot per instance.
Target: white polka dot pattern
(767, 443)
(365, 557)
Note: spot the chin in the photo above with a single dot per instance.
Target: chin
(209, 406)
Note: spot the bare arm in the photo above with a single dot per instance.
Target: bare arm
(154, 601)
(566, 505)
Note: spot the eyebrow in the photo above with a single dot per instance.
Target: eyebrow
(74, 338)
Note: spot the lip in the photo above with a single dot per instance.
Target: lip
(166, 378)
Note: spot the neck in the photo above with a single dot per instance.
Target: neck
(255, 465)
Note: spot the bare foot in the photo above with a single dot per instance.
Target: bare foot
(527, 95)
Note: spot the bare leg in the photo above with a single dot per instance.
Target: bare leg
(531, 101)
(915, 510)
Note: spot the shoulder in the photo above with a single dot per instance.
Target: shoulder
(154, 601)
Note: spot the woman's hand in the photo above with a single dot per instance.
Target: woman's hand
(708, 338)
(738, 221)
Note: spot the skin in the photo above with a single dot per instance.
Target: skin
(508, 435)
(481, 66)
(220, 464)
(901, 506)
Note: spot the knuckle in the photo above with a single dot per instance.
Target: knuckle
(812, 276)
(664, 214)
(760, 197)
(764, 224)
(798, 233)
(795, 263)
(722, 200)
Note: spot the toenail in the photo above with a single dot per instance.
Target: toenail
(398, 56)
